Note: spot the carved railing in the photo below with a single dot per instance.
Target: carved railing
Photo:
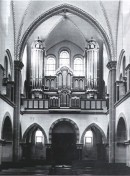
(54, 103)
(93, 104)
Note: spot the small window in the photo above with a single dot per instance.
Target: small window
(64, 59)
(50, 66)
(39, 136)
(78, 67)
(89, 137)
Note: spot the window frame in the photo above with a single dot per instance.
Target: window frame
(64, 50)
(39, 136)
(53, 65)
(88, 137)
(82, 66)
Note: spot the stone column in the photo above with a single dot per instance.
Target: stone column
(112, 97)
(16, 121)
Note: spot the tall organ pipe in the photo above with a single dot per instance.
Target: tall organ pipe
(37, 65)
(92, 57)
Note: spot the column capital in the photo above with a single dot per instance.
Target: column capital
(111, 65)
(18, 65)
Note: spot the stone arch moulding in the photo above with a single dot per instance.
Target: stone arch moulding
(94, 125)
(57, 10)
(122, 54)
(64, 120)
(35, 125)
(7, 114)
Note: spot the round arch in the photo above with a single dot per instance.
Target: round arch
(64, 120)
(96, 126)
(34, 126)
(59, 9)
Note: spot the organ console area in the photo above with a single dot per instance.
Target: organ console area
(64, 81)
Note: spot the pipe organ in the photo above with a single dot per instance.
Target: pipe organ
(92, 54)
(37, 67)
(64, 78)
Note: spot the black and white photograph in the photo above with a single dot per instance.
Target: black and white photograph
(64, 87)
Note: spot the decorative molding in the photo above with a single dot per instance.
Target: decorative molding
(18, 65)
(57, 10)
(112, 65)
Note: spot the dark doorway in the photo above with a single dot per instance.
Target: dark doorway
(63, 143)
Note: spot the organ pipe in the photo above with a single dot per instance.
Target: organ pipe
(91, 60)
(37, 65)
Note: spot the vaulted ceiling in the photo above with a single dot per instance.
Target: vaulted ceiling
(70, 27)
(65, 27)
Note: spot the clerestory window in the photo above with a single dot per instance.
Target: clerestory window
(78, 67)
(64, 59)
(50, 66)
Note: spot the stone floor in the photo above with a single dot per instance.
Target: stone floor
(77, 168)
(57, 170)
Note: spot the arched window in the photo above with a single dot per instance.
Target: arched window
(78, 67)
(38, 136)
(50, 66)
(64, 59)
(89, 137)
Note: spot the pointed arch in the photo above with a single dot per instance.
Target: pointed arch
(33, 127)
(121, 131)
(57, 10)
(93, 125)
(7, 130)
